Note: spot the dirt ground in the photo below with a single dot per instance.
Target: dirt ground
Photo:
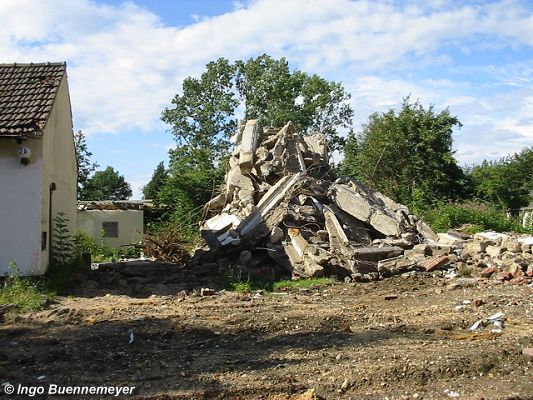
(344, 341)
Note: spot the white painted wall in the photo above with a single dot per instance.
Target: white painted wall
(130, 223)
(20, 208)
(59, 166)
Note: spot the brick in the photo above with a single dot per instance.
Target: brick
(434, 263)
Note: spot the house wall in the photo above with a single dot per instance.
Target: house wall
(130, 225)
(20, 209)
(59, 167)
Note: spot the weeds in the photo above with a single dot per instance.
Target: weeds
(23, 292)
(302, 283)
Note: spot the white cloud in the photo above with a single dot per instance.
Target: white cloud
(125, 64)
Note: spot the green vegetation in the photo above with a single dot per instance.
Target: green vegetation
(506, 183)
(202, 120)
(25, 293)
(232, 281)
(105, 185)
(302, 283)
(407, 155)
(477, 216)
(83, 160)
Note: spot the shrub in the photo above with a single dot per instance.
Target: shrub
(477, 217)
(23, 292)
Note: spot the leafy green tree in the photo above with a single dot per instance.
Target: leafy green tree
(273, 94)
(151, 189)
(507, 183)
(407, 155)
(106, 185)
(202, 119)
(83, 160)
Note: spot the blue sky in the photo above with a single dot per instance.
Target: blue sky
(126, 60)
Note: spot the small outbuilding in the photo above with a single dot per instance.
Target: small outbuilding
(37, 163)
(118, 223)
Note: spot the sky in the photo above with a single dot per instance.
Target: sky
(127, 60)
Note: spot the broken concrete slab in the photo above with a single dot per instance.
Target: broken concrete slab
(248, 145)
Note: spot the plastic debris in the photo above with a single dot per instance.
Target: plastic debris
(497, 320)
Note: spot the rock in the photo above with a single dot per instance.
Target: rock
(207, 292)
(512, 246)
(487, 272)
(390, 297)
(276, 235)
(526, 248)
(245, 257)
(527, 352)
(494, 251)
(475, 247)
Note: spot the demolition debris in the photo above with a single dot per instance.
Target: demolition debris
(282, 209)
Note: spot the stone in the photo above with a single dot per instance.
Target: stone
(512, 246)
(475, 247)
(245, 257)
(526, 248)
(434, 263)
(390, 297)
(504, 276)
(487, 272)
(527, 352)
(276, 235)
(426, 231)
(207, 292)
(351, 202)
(248, 145)
(494, 251)
(385, 224)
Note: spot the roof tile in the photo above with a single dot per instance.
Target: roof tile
(27, 94)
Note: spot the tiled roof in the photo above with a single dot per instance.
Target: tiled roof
(27, 94)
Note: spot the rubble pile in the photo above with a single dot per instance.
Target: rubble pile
(283, 207)
(499, 257)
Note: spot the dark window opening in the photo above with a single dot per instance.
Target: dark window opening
(110, 229)
(44, 236)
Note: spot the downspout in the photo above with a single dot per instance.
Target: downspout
(51, 190)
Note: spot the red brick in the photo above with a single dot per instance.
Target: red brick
(435, 263)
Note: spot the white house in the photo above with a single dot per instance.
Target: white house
(118, 223)
(37, 162)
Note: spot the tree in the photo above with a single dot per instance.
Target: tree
(506, 183)
(151, 189)
(407, 155)
(202, 118)
(106, 185)
(83, 161)
(275, 95)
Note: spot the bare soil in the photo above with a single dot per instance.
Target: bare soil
(344, 341)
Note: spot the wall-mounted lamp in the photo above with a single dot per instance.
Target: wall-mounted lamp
(24, 154)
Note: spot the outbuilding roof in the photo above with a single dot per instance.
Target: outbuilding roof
(27, 94)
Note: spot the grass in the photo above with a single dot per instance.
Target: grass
(302, 283)
(25, 293)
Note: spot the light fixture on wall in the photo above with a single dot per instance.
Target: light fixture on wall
(24, 153)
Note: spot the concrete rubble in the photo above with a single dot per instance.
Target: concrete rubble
(283, 211)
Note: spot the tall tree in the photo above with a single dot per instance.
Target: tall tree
(151, 189)
(506, 183)
(407, 155)
(202, 117)
(83, 160)
(106, 185)
(273, 94)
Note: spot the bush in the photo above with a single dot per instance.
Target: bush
(23, 292)
(477, 216)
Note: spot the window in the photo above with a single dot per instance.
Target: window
(110, 229)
